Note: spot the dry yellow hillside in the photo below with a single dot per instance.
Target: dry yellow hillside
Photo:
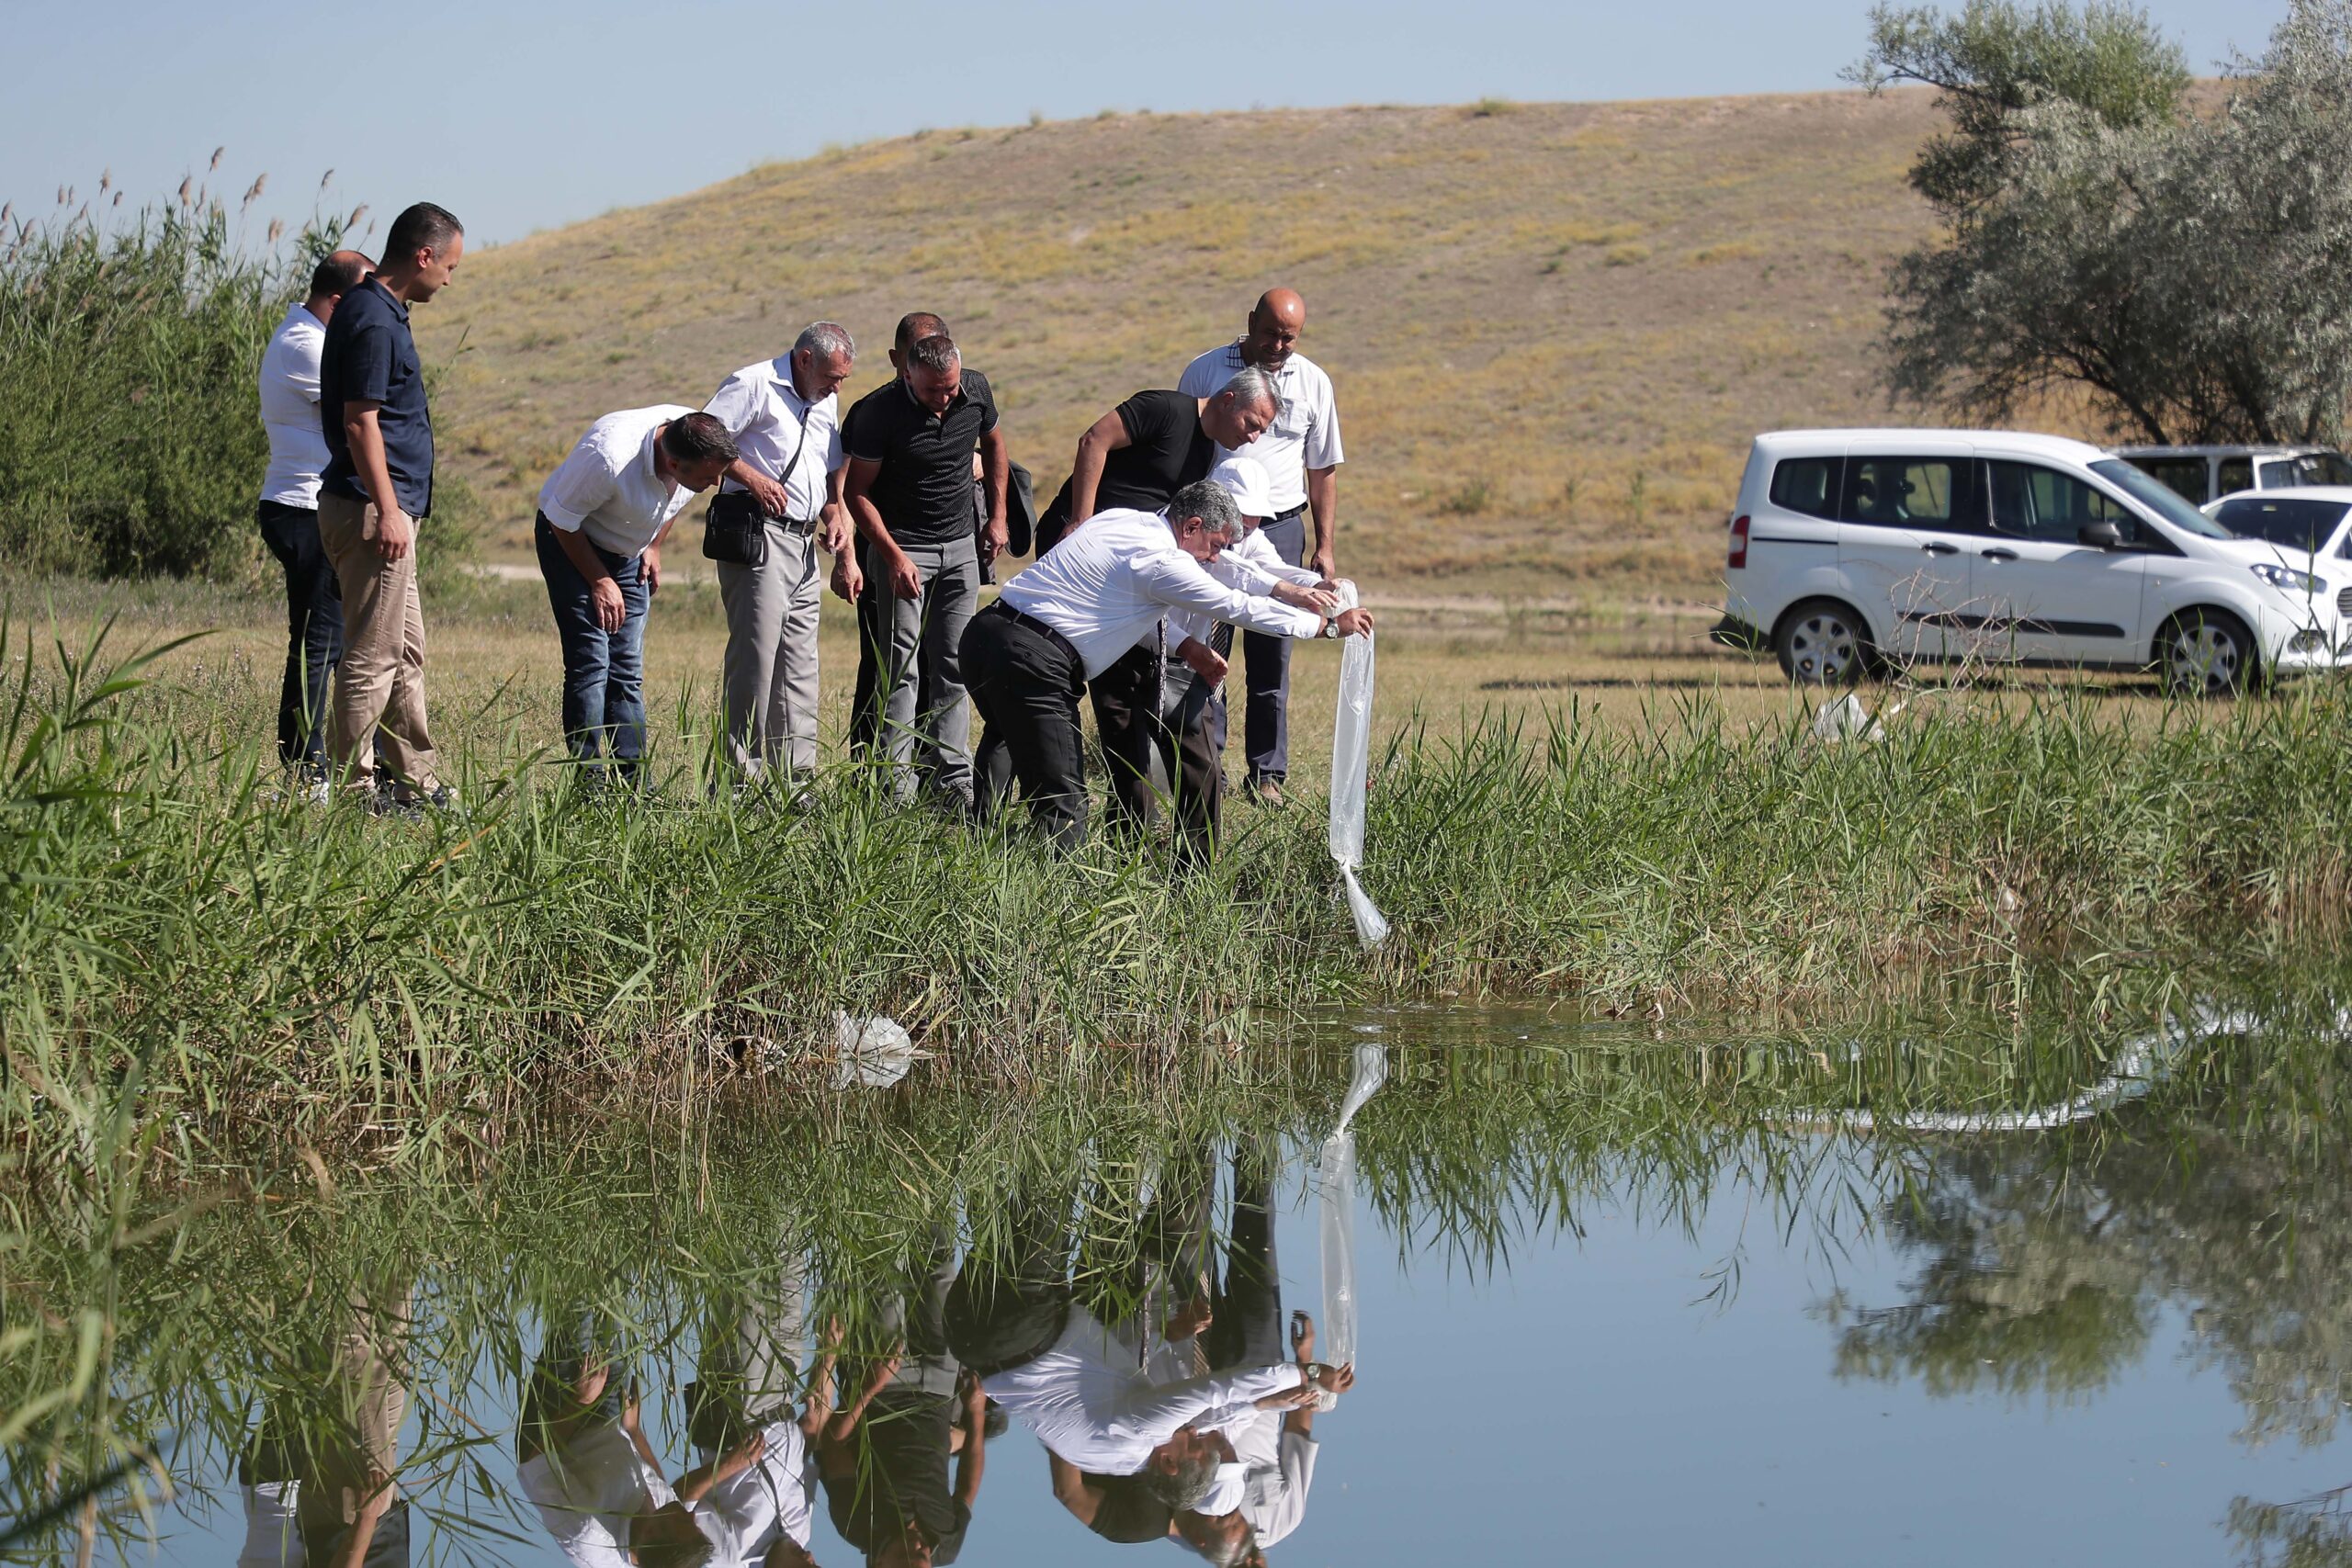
(1553, 327)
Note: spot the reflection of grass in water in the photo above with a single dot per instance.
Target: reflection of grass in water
(202, 1317)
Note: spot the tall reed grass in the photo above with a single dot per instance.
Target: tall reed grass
(179, 933)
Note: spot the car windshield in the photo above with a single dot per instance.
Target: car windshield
(2302, 525)
(2158, 498)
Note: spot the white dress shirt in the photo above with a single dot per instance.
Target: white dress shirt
(765, 412)
(607, 489)
(289, 410)
(1251, 567)
(745, 1513)
(272, 1540)
(589, 1490)
(1281, 1467)
(1090, 1404)
(1305, 431)
(1111, 578)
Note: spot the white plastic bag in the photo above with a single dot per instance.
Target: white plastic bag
(872, 1052)
(1335, 1192)
(1351, 762)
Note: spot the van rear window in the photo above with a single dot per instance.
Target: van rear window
(1808, 485)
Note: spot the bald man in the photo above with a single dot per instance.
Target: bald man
(290, 510)
(1301, 454)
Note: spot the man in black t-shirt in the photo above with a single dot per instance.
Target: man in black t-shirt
(909, 487)
(1139, 454)
(884, 1459)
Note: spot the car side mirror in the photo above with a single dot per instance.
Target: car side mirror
(2100, 536)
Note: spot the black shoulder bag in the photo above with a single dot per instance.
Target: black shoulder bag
(735, 530)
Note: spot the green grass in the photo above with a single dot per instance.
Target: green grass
(190, 951)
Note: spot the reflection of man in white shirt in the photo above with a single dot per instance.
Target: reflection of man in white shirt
(1302, 454)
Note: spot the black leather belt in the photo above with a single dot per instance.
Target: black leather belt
(1286, 516)
(1034, 624)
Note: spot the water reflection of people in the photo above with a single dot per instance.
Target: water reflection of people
(884, 1459)
(585, 1464)
(1013, 1318)
(340, 1465)
(741, 1404)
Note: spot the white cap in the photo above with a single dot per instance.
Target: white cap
(1232, 1480)
(1246, 481)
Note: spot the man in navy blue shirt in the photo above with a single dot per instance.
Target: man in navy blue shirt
(377, 487)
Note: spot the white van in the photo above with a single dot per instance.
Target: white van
(1852, 548)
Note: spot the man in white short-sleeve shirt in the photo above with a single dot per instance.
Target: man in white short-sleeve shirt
(289, 511)
(1302, 456)
(603, 515)
(780, 504)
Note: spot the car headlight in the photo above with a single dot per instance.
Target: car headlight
(2287, 581)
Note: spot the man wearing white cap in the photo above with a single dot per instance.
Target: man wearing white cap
(1190, 735)
(1091, 599)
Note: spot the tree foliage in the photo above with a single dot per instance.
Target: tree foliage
(2190, 271)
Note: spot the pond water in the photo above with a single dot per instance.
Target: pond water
(1675, 1306)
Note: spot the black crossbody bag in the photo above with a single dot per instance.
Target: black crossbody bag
(735, 530)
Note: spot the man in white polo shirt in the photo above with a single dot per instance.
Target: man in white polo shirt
(290, 510)
(603, 515)
(1302, 456)
(1104, 589)
(781, 501)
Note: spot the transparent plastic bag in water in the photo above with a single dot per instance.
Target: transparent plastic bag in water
(1335, 1191)
(1350, 766)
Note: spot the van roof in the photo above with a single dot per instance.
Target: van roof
(2222, 451)
(1786, 442)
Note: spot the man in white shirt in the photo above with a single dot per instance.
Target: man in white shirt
(290, 510)
(1013, 1321)
(1302, 454)
(603, 515)
(1095, 595)
(780, 503)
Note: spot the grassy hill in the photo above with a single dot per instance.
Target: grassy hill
(1553, 327)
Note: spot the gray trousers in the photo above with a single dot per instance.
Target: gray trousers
(921, 657)
(770, 675)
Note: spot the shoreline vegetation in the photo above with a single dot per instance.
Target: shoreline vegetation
(193, 953)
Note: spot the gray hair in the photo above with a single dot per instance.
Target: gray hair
(1189, 1487)
(1212, 504)
(826, 340)
(935, 353)
(1250, 386)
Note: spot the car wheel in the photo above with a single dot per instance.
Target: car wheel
(2206, 653)
(1822, 643)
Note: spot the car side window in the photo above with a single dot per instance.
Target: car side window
(1808, 485)
(2237, 474)
(2185, 476)
(2278, 474)
(2031, 502)
(1912, 492)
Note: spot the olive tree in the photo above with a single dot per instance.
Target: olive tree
(2186, 270)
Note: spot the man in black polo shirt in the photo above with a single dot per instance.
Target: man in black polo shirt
(910, 490)
(377, 487)
(1140, 455)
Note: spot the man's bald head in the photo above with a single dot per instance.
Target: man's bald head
(337, 274)
(1274, 325)
(917, 325)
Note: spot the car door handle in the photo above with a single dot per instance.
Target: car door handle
(1996, 553)
(1938, 548)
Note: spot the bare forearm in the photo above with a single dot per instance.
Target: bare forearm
(366, 438)
(996, 470)
(870, 526)
(1086, 477)
(1323, 501)
(582, 554)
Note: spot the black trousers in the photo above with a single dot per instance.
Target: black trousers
(1012, 1300)
(1189, 741)
(1026, 682)
(1247, 1330)
(313, 634)
(1265, 666)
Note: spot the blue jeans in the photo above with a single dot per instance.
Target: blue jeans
(603, 672)
(313, 634)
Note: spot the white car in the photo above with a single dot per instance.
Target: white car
(1852, 548)
(2305, 525)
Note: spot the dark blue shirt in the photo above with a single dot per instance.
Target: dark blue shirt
(369, 355)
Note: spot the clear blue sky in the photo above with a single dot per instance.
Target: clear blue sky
(521, 115)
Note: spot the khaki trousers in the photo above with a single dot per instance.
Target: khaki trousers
(381, 681)
(770, 673)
